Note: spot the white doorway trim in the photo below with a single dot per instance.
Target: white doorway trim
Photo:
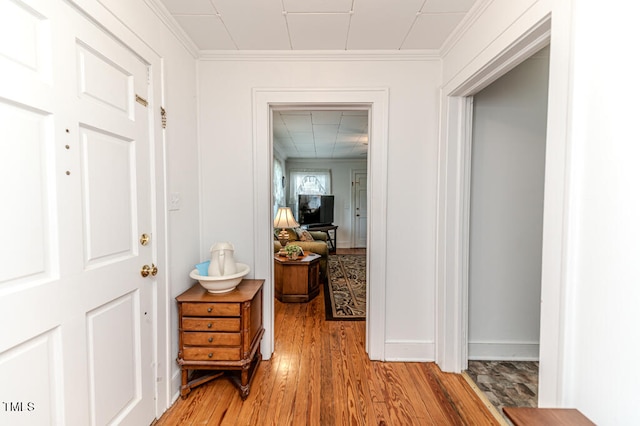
(377, 101)
(453, 213)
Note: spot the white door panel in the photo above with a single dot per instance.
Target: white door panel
(76, 324)
(33, 370)
(25, 167)
(360, 219)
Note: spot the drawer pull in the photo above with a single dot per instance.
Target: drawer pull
(210, 339)
(209, 325)
(210, 354)
(209, 310)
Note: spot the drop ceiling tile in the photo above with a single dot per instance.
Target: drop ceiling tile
(325, 142)
(284, 142)
(371, 16)
(189, 7)
(338, 151)
(324, 151)
(439, 6)
(297, 123)
(311, 6)
(277, 118)
(295, 112)
(325, 130)
(280, 133)
(255, 25)
(207, 32)
(353, 124)
(326, 117)
(302, 137)
(430, 31)
(318, 31)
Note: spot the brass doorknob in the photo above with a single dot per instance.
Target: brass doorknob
(145, 271)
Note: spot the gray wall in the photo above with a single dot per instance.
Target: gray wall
(507, 189)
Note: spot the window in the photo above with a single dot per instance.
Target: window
(278, 186)
(307, 181)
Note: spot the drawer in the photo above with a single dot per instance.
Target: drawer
(211, 309)
(211, 324)
(211, 354)
(210, 339)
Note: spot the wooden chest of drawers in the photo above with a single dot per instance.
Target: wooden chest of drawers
(221, 334)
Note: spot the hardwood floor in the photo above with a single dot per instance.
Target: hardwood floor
(320, 375)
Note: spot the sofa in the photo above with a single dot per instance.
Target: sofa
(318, 245)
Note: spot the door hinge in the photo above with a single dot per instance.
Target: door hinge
(163, 116)
(142, 101)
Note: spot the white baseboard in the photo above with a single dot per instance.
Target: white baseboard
(504, 351)
(176, 383)
(409, 351)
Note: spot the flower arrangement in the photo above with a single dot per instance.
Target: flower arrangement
(293, 251)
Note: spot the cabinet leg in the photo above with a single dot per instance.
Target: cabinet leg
(185, 388)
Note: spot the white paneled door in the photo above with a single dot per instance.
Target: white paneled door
(76, 315)
(360, 211)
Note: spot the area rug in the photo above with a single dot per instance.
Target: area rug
(346, 287)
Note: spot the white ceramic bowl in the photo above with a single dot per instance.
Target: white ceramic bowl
(223, 284)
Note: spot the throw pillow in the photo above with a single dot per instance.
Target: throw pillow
(306, 235)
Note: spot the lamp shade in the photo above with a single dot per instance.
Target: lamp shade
(284, 219)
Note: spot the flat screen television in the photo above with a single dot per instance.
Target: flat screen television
(315, 210)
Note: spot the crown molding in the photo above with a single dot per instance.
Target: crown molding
(319, 55)
(169, 21)
(469, 19)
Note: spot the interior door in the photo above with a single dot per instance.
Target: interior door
(360, 219)
(76, 316)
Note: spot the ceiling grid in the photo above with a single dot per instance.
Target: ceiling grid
(303, 26)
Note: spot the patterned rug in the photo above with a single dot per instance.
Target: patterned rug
(346, 287)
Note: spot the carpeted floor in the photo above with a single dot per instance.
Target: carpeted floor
(346, 287)
(507, 383)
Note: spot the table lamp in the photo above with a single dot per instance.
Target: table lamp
(284, 220)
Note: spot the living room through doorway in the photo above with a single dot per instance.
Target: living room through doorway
(319, 139)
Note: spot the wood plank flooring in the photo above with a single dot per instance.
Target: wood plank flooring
(321, 375)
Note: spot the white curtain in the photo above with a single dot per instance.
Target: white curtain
(278, 186)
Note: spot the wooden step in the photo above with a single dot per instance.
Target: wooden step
(525, 416)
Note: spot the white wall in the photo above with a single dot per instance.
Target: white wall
(588, 342)
(604, 249)
(340, 188)
(507, 189)
(226, 148)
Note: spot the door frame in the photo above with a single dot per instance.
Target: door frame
(454, 203)
(377, 101)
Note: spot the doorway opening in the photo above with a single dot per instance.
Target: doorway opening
(505, 232)
(320, 164)
(377, 102)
